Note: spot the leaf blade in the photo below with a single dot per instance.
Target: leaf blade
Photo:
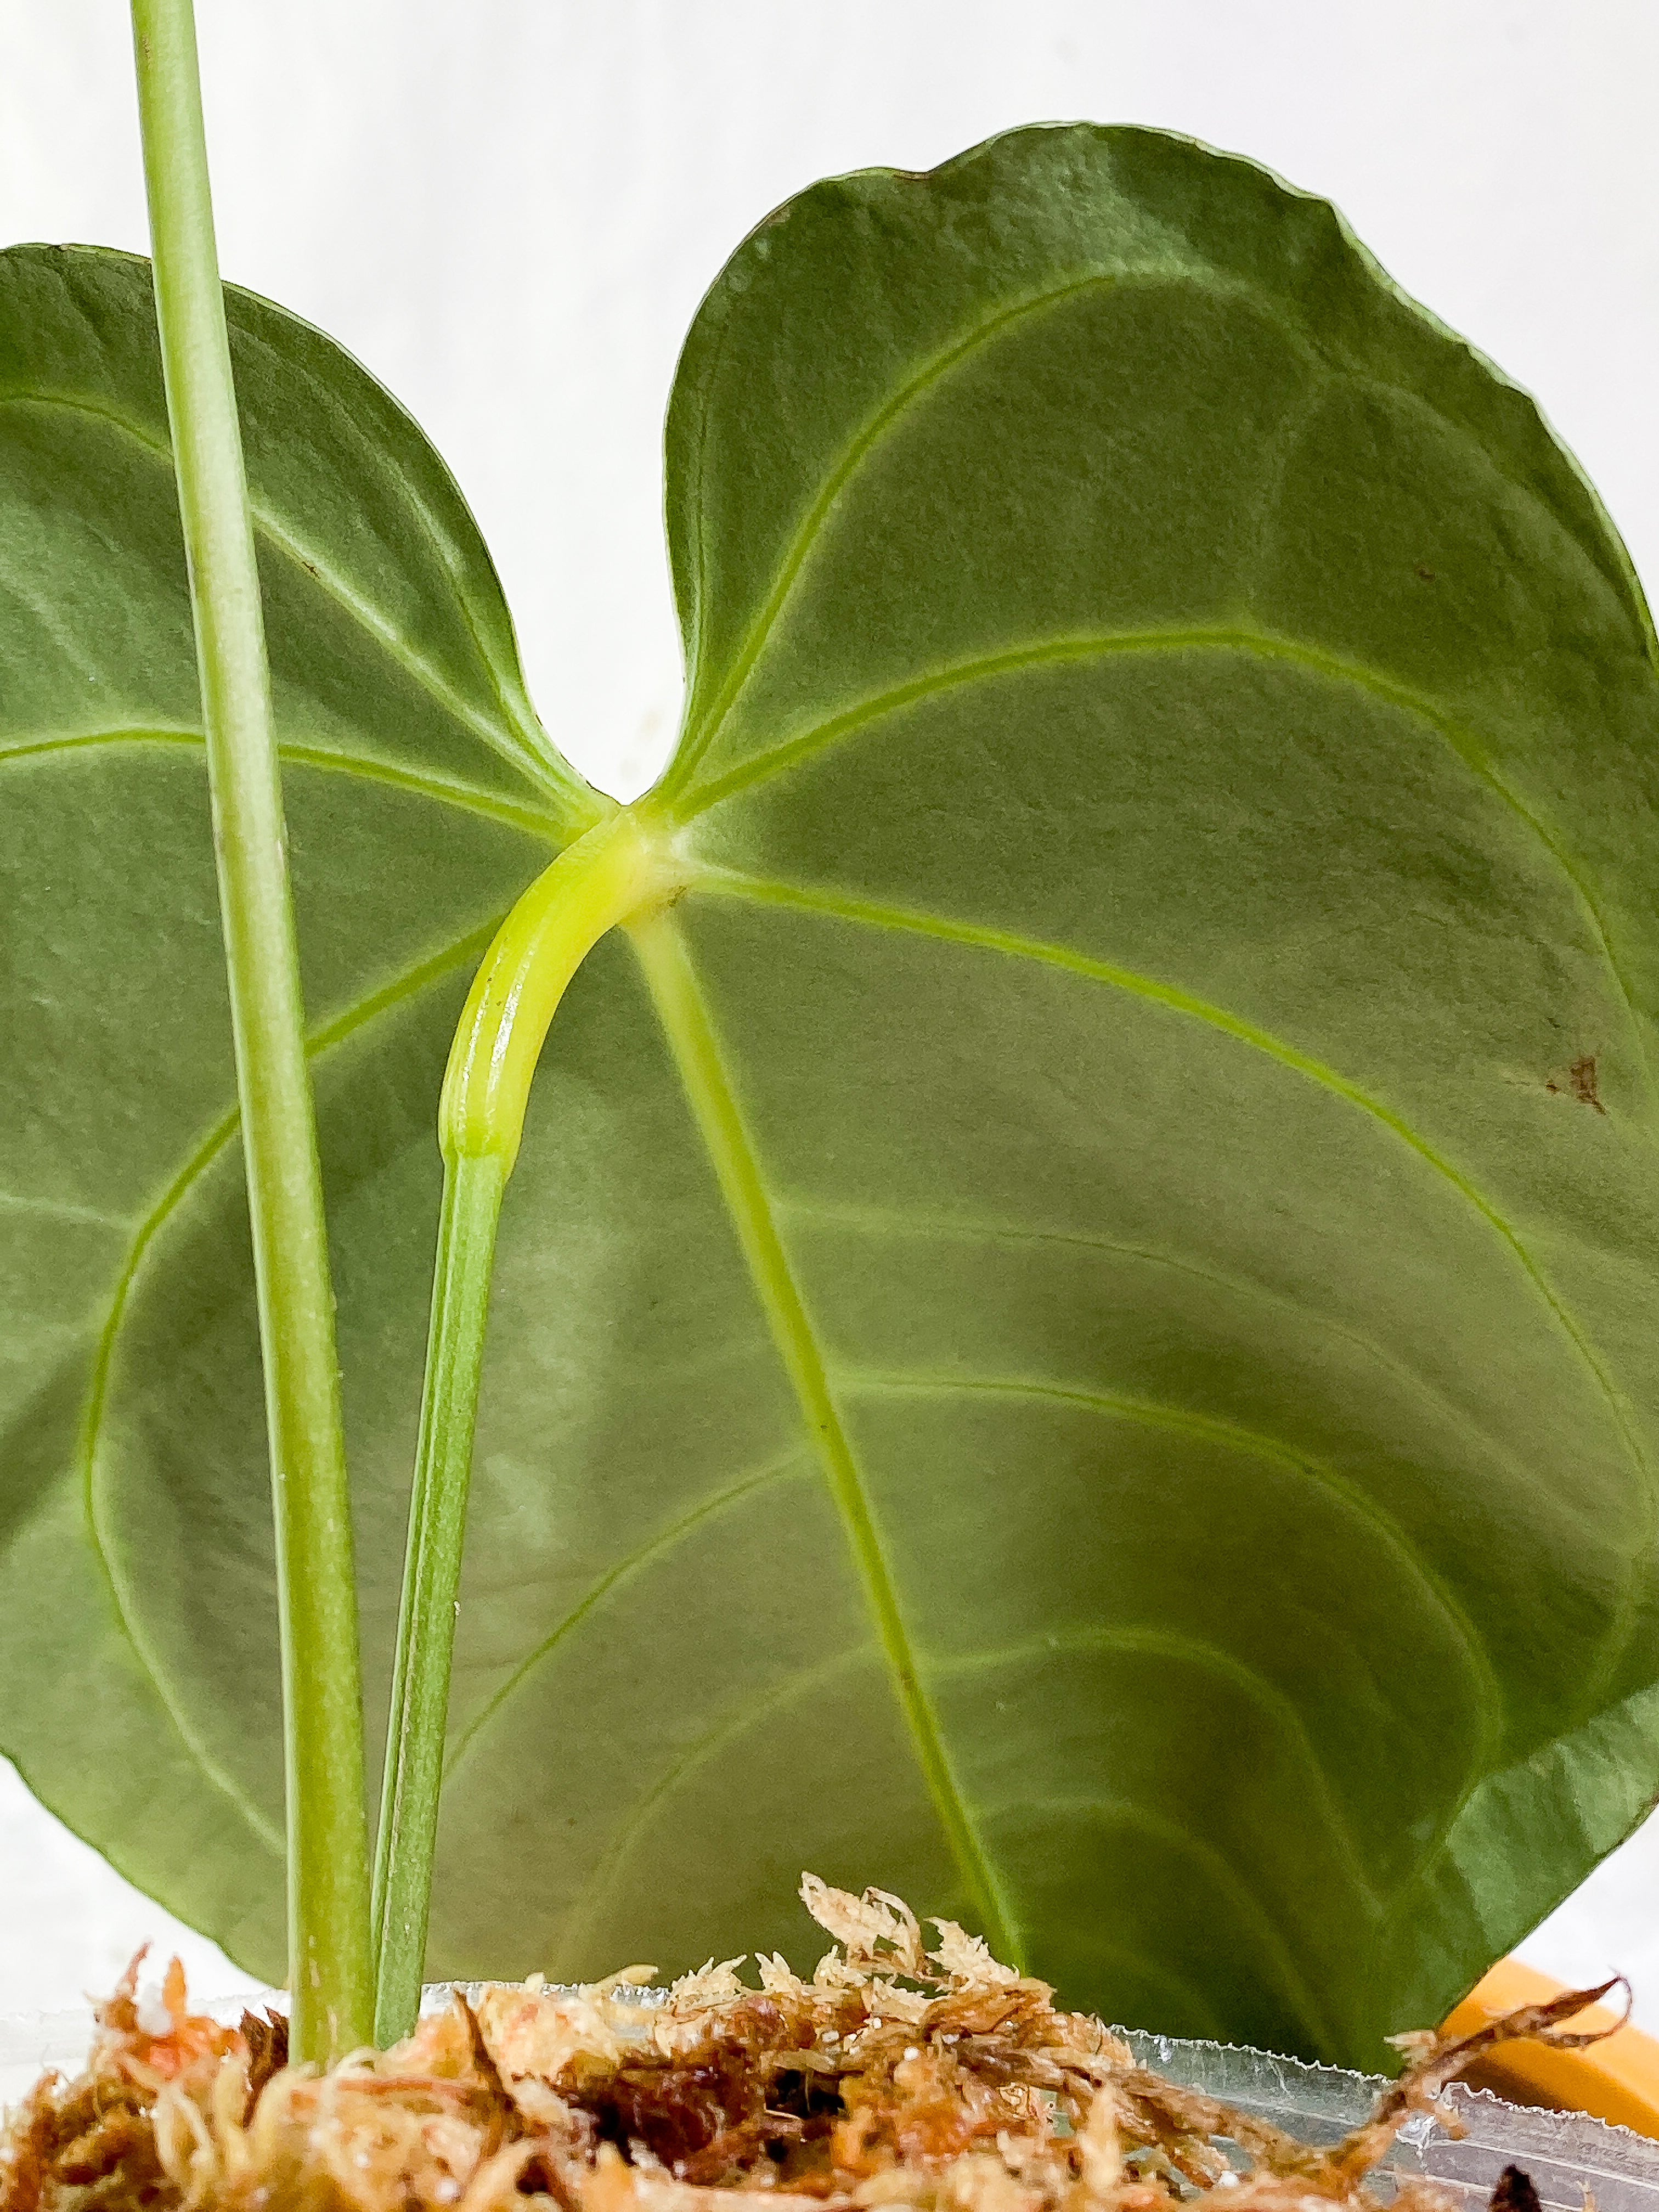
(1241, 1321)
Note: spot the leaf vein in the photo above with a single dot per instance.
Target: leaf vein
(1180, 1644)
(577, 803)
(776, 760)
(656, 1548)
(696, 742)
(462, 796)
(1235, 1436)
(868, 912)
(895, 1222)
(691, 1037)
(931, 682)
(397, 991)
(62, 1209)
(611, 1864)
(1225, 1878)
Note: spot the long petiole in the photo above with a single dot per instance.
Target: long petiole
(606, 876)
(329, 1960)
(408, 1833)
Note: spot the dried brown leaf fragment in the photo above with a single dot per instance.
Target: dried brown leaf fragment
(935, 2079)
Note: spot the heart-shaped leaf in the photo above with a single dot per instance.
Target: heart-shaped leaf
(1073, 1331)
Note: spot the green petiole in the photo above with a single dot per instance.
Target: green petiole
(617, 870)
(327, 1846)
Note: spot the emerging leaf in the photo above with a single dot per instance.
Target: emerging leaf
(1074, 1328)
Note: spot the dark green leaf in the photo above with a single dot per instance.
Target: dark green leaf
(1073, 1329)
(140, 1692)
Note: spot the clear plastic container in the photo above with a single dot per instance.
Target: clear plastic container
(1565, 2152)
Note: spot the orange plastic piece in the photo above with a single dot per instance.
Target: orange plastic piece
(1616, 2080)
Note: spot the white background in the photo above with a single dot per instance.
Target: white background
(508, 210)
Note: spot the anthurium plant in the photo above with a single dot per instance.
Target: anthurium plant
(1068, 1323)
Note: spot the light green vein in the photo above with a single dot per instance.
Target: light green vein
(531, 820)
(462, 796)
(1223, 1878)
(690, 1034)
(1558, 1748)
(872, 913)
(1235, 1436)
(395, 993)
(522, 747)
(696, 740)
(659, 1547)
(1187, 1649)
(931, 682)
(1183, 1648)
(892, 1223)
(1264, 645)
(896, 1222)
(518, 711)
(572, 1940)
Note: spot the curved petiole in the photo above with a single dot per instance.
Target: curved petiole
(615, 871)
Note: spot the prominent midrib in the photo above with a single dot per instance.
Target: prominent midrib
(689, 1032)
(397, 992)
(874, 914)
(895, 1222)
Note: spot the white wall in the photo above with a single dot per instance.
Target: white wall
(508, 210)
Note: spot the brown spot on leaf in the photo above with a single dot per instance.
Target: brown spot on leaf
(1581, 1076)
(1426, 573)
(1581, 1081)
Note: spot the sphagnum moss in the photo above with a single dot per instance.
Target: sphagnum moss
(939, 2080)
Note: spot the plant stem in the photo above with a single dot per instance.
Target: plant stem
(329, 1957)
(473, 1187)
(605, 876)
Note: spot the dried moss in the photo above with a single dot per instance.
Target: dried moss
(938, 2080)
